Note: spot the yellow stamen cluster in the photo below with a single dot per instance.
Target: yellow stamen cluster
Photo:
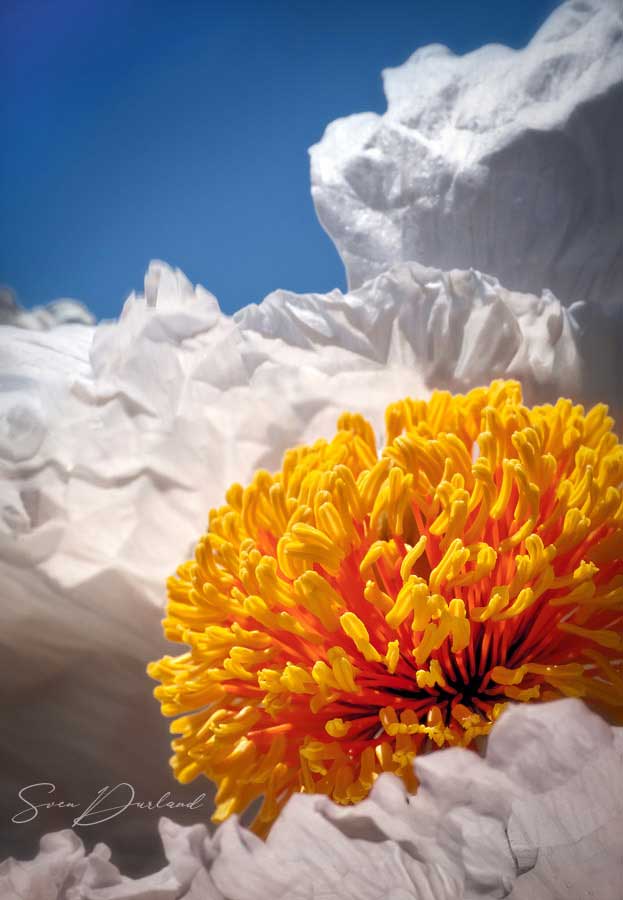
(353, 609)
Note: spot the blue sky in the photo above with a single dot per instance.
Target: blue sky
(179, 130)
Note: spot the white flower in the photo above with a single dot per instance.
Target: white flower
(538, 816)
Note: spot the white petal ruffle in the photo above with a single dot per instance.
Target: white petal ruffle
(42, 318)
(505, 160)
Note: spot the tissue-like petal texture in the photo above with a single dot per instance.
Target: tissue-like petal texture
(576, 845)
(116, 441)
(536, 817)
(507, 161)
(41, 318)
(63, 871)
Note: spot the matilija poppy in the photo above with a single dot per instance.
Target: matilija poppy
(117, 440)
(112, 470)
(111, 473)
(353, 608)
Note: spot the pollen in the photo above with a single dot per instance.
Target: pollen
(360, 607)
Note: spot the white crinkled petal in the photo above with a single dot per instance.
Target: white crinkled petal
(503, 160)
(550, 751)
(306, 857)
(184, 849)
(62, 870)
(43, 877)
(572, 833)
(203, 888)
(590, 868)
(42, 318)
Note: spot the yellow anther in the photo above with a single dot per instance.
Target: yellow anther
(568, 670)
(343, 670)
(312, 537)
(575, 528)
(269, 680)
(501, 503)
(389, 720)
(413, 592)
(523, 695)
(486, 558)
(323, 675)
(583, 593)
(369, 483)
(602, 636)
(502, 675)
(358, 633)
(434, 718)
(432, 677)
(466, 717)
(345, 475)
(377, 597)
(383, 753)
(450, 565)
(376, 550)
(427, 644)
(459, 625)
(319, 598)
(237, 670)
(411, 557)
(583, 572)
(337, 728)
(271, 585)
(392, 656)
(497, 602)
(330, 522)
(297, 679)
(525, 599)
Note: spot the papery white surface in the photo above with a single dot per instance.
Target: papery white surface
(535, 818)
(63, 870)
(505, 160)
(116, 441)
(42, 318)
